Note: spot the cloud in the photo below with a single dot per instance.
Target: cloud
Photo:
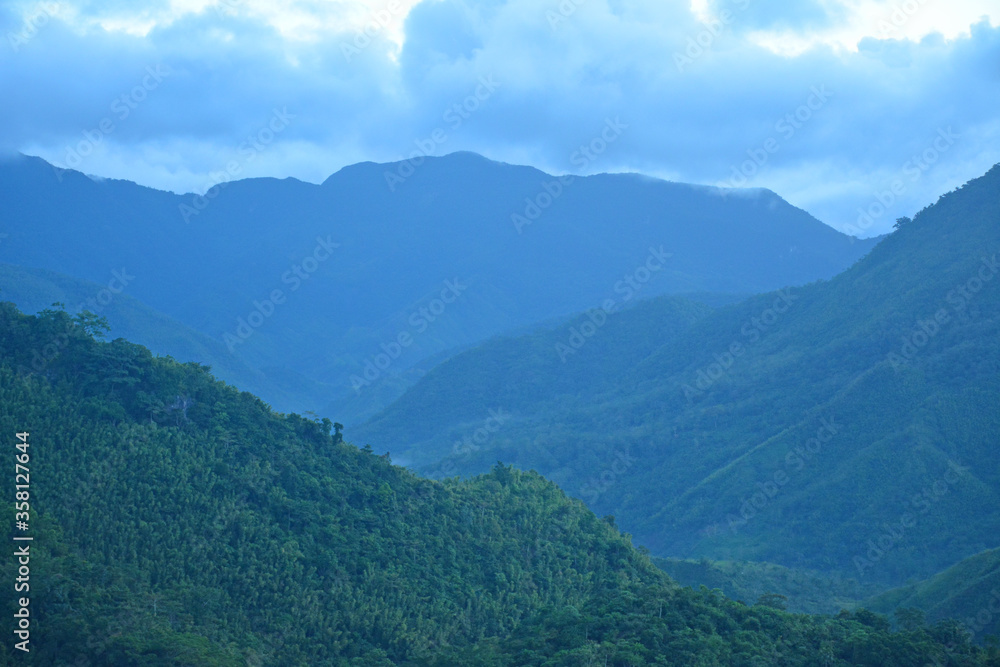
(361, 81)
(779, 14)
(441, 32)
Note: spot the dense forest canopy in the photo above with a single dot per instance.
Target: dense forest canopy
(181, 522)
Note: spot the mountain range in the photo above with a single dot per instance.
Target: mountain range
(341, 295)
(766, 405)
(847, 426)
(177, 521)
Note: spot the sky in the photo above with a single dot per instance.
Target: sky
(857, 111)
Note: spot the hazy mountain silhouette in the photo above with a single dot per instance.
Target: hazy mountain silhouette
(363, 264)
(799, 427)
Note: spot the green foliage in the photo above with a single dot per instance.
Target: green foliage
(909, 618)
(773, 600)
(846, 410)
(178, 521)
(124, 316)
(968, 592)
(806, 591)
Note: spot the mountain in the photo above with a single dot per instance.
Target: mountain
(803, 591)
(349, 285)
(35, 290)
(968, 591)
(539, 375)
(844, 427)
(177, 521)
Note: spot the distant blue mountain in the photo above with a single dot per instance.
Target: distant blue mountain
(341, 293)
(846, 427)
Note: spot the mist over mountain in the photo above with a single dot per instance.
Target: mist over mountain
(846, 426)
(335, 293)
(470, 333)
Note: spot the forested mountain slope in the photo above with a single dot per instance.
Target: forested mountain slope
(848, 426)
(177, 521)
(34, 290)
(968, 592)
(803, 591)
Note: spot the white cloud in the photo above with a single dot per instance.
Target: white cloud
(791, 30)
(295, 20)
(557, 85)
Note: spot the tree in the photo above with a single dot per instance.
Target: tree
(773, 600)
(93, 325)
(872, 620)
(910, 618)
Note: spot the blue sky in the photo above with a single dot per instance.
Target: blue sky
(834, 104)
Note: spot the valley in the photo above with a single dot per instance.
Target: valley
(803, 449)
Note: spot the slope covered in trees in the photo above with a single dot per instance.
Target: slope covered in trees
(845, 427)
(547, 373)
(177, 521)
(968, 592)
(34, 290)
(802, 591)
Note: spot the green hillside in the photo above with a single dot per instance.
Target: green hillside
(968, 592)
(177, 521)
(525, 376)
(845, 427)
(34, 290)
(804, 591)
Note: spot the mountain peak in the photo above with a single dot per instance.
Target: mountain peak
(457, 161)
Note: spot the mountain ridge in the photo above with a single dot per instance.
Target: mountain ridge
(725, 406)
(181, 522)
(451, 220)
